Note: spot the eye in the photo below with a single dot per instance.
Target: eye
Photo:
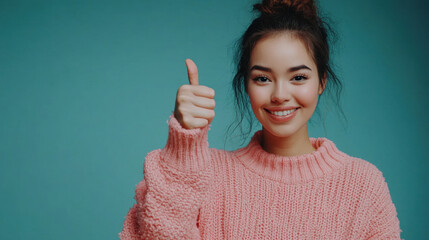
(300, 78)
(261, 79)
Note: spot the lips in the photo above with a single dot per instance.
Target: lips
(283, 113)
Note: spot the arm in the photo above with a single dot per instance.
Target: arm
(384, 223)
(175, 182)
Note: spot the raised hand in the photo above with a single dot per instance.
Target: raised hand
(194, 103)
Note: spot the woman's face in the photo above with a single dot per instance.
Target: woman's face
(283, 85)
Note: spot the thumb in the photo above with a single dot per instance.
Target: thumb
(192, 72)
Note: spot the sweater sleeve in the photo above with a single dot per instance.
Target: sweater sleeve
(384, 223)
(176, 180)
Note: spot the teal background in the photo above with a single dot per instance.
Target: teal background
(86, 88)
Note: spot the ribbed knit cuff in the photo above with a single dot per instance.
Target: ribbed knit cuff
(186, 149)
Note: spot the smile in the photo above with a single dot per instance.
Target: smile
(282, 113)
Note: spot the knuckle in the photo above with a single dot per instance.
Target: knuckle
(183, 88)
(212, 92)
(186, 120)
(181, 109)
(180, 89)
(179, 98)
(182, 98)
(211, 114)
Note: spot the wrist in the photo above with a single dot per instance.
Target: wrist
(186, 149)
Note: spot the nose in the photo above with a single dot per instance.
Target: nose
(280, 93)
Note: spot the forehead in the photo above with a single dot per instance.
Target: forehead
(282, 49)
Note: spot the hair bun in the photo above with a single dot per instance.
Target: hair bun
(270, 7)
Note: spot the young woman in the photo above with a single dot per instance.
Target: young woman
(283, 184)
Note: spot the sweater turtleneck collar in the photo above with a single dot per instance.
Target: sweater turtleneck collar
(325, 159)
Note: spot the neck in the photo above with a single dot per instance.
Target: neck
(297, 144)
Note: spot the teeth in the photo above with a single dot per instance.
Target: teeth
(283, 113)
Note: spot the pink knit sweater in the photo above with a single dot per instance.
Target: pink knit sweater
(192, 192)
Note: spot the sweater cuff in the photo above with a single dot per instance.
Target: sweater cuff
(186, 149)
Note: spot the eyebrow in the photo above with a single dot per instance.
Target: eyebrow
(292, 69)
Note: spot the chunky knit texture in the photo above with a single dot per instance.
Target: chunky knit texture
(190, 191)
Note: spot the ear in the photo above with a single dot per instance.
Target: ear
(322, 84)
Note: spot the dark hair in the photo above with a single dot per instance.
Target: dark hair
(300, 18)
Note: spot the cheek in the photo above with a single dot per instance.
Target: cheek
(256, 95)
(307, 96)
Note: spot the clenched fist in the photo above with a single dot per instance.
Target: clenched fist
(194, 103)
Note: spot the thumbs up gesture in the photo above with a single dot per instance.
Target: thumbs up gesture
(194, 103)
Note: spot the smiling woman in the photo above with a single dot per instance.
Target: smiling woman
(283, 93)
(283, 184)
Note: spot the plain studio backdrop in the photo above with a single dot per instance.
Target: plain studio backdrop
(86, 88)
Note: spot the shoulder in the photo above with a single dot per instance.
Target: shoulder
(329, 149)
(365, 166)
(355, 167)
(367, 174)
(353, 161)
